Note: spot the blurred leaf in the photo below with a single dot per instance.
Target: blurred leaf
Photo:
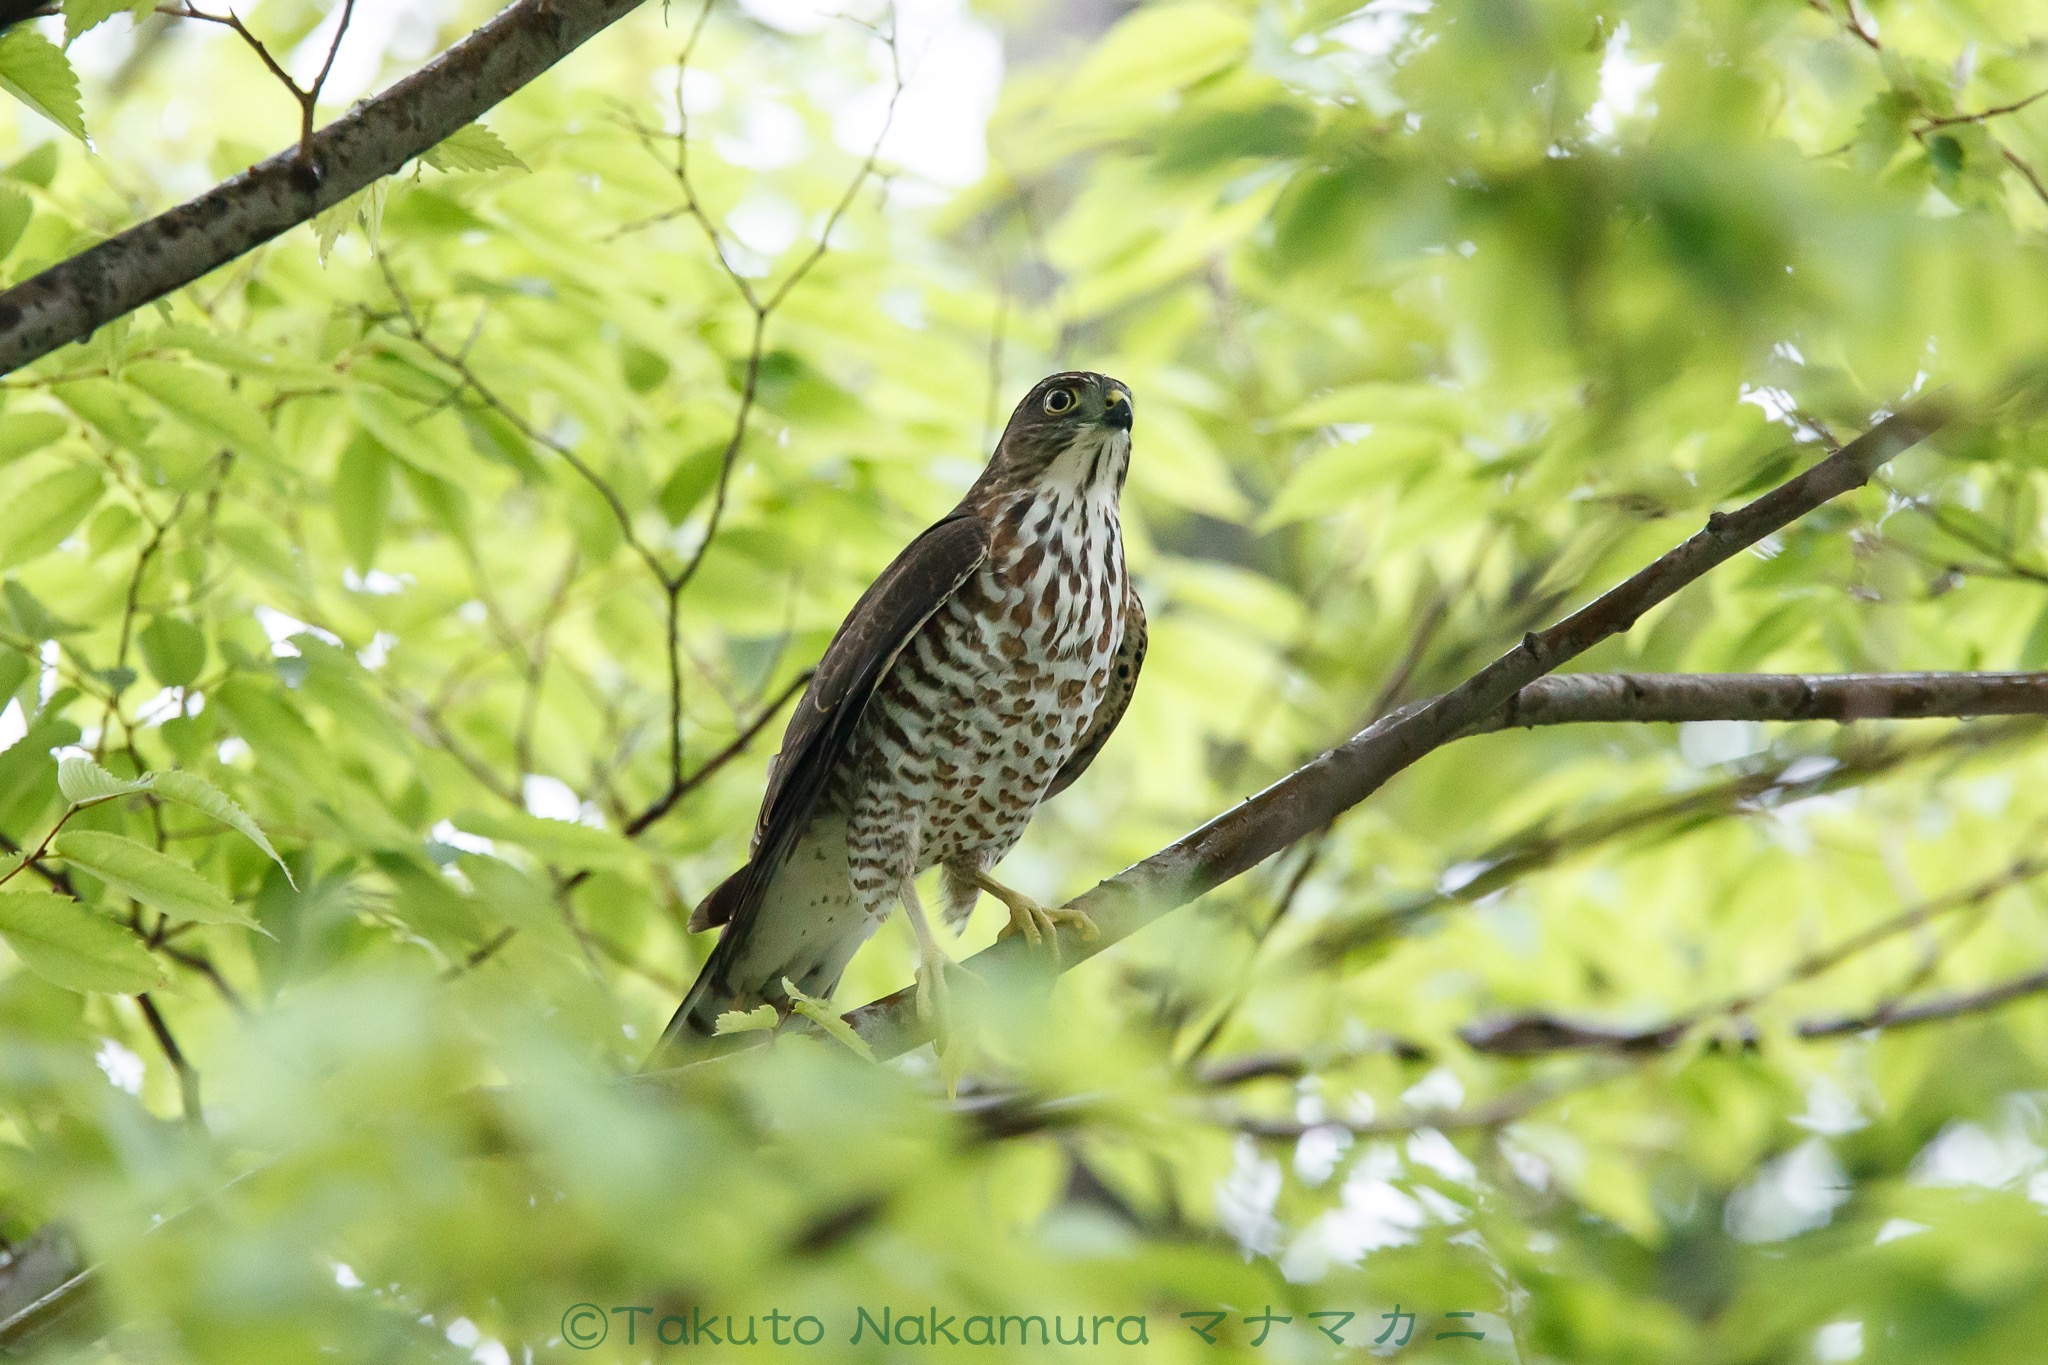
(175, 650)
(24, 433)
(73, 947)
(40, 517)
(206, 404)
(362, 499)
(560, 842)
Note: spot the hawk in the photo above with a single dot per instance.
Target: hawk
(979, 675)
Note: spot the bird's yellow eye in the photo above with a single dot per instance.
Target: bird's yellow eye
(1059, 401)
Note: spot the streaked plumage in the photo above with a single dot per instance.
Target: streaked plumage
(980, 674)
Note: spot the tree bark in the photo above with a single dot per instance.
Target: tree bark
(72, 298)
(1583, 698)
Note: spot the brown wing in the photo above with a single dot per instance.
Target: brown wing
(919, 582)
(1123, 681)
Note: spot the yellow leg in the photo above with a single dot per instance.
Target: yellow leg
(1034, 921)
(953, 1041)
(934, 996)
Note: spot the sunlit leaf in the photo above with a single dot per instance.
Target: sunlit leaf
(40, 517)
(81, 780)
(190, 790)
(75, 947)
(471, 148)
(162, 883)
(36, 72)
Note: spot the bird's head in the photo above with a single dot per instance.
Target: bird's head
(1072, 428)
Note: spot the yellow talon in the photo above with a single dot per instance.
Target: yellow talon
(1036, 922)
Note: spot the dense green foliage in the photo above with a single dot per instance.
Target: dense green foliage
(407, 531)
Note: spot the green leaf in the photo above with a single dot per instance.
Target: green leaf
(821, 1013)
(201, 795)
(35, 71)
(81, 16)
(206, 405)
(364, 209)
(161, 883)
(75, 947)
(81, 780)
(104, 404)
(694, 476)
(38, 167)
(760, 1019)
(36, 520)
(1945, 152)
(24, 433)
(14, 670)
(472, 148)
(16, 209)
(386, 420)
(556, 841)
(175, 650)
(36, 621)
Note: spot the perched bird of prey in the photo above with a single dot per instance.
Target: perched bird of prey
(979, 675)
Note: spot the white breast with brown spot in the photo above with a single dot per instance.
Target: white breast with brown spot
(991, 696)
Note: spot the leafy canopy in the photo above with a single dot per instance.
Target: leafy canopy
(388, 620)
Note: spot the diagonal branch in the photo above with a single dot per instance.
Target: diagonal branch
(1340, 778)
(69, 300)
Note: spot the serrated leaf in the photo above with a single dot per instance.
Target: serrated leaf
(36, 520)
(825, 1017)
(162, 883)
(364, 209)
(75, 947)
(760, 1019)
(201, 795)
(35, 71)
(175, 650)
(81, 780)
(82, 16)
(205, 404)
(472, 148)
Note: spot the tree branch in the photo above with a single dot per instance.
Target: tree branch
(1532, 1033)
(1583, 698)
(72, 298)
(1340, 778)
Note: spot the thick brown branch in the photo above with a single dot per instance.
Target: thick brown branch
(69, 300)
(1314, 794)
(1577, 698)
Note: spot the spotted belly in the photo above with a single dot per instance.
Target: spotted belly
(977, 716)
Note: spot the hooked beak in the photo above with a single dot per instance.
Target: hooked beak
(1118, 414)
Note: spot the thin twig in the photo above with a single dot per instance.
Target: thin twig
(188, 1078)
